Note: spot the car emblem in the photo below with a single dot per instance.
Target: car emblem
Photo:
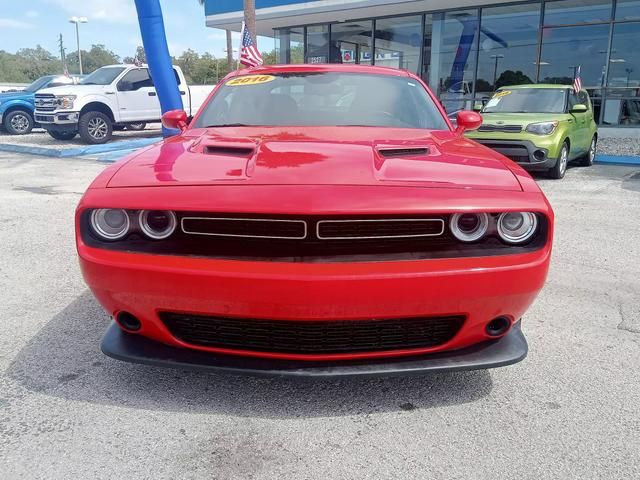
(500, 122)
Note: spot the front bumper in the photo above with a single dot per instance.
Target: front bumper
(524, 152)
(64, 119)
(480, 288)
(510, 349)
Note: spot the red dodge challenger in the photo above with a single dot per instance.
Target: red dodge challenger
(316, 220)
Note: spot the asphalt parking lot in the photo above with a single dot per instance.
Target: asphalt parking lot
(571, 410)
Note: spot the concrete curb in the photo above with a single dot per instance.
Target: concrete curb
(617, 160)
(80, 151)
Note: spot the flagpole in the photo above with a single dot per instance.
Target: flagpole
(240, 46)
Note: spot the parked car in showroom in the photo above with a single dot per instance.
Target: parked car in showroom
(17, 105)
(292, 228)
(541, 127)
(111, 98)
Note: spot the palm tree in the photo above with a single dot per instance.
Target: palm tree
(250, 17)
(229, 43)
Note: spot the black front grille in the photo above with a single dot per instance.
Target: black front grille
(517, 153)
(500, 128)
(245, 227)
(382, 228)
(312, 337)
(355, 240)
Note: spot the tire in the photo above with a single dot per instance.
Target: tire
(560, 168)
(588, 159)
(95, 128)
(58, 135)
(18, 122)
(136, 126)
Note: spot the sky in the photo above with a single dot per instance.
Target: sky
(25, 24)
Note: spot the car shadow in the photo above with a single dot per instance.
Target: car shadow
(64, 360)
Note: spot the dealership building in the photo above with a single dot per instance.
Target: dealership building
(465, 49)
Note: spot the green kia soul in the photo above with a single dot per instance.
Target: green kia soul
(541, 127)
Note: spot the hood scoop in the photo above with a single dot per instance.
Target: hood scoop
(225, 147)
(233, 151)
(403, 152)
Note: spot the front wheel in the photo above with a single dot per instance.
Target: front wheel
(18, 122)
(58, 135)
(560, 168)
(95, 128)
(590, 157)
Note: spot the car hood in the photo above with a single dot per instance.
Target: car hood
(317, 156)
(73, 90)
(6, 96)
(522, 119)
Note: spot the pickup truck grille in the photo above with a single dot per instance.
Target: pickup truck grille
(45, 102)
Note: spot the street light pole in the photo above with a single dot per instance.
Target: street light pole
(495, 68)
(77, 21)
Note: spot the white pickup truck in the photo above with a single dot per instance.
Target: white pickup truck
(111, 98)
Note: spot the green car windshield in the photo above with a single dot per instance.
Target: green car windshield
(527, 100)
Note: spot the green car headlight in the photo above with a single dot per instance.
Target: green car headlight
(542, 128)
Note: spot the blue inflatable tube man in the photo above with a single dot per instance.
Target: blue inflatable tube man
(158, 58)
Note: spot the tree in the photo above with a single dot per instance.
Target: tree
(36, 62)
(509, 77)
(250, 17)
(139, 56)
(97, 57)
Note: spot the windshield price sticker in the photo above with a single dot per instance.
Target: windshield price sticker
(250, 80)
(502, 93)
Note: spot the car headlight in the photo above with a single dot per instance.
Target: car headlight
(65, 101)
(110, 223)
(542, 128)
(157, 224)
(517, 227)
(469, 227)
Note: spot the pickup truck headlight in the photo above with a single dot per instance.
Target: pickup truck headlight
(542, 128)
(65, 101)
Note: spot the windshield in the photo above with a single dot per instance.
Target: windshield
(322, 99)
(527, 100)
(38, 84)
(102, 76)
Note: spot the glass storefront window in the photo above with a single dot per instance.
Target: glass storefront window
(508, 47)
(628, 10)
(318, 44)
(398, 42)
(622, 107)
(622, 104)
(624, 64)
(571, 12)
(566, 48)
(290, 45)
(352, 41)
(453, 46)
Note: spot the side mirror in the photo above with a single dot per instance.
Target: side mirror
(579, 108)
(175, 119)
(468, 120)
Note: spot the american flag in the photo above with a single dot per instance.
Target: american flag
(577, 81)
(249, 55)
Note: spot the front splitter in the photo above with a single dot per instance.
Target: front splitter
(510, 349)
